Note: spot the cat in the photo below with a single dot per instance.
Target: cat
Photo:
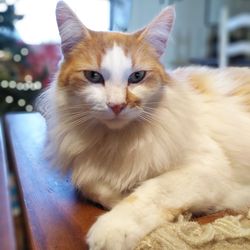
(146, 143)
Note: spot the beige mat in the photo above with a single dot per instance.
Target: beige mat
(227, 233)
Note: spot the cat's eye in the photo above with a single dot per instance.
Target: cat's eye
(136, 76)
(93, 76)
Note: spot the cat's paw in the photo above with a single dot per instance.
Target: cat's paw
(114, 232)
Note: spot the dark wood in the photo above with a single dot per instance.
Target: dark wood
(7, 236)
(56, 216)
(212, 217)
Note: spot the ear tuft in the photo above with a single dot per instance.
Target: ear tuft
(70, 28)
(157, 32)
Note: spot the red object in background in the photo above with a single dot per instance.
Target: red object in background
(44, 59)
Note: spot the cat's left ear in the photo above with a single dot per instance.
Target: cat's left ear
(70, 28)
(156, 33)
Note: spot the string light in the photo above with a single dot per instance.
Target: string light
(24, 51)
(21, 102)
(19, 86)
(17, 58)
(4, 84)
(27, 85)
(38, 85)
(12, 84)
(32, 86)
(9, 99)
(29, 108)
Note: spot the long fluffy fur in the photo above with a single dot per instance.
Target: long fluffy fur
(187, 150)
(161, 141)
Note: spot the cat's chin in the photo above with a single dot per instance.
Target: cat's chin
(115, 123)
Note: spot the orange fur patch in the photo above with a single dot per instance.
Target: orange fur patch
(201, 83)
(200, 79)
(132, 100)
(170, 214)
(130, 199)
(244, 92)
(242, 75)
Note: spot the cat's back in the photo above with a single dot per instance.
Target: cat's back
(223, 101)
(227, 82)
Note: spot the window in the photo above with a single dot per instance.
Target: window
(39, 22)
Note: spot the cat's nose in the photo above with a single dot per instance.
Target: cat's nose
(117, 108)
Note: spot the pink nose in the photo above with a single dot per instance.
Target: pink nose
(117, 108)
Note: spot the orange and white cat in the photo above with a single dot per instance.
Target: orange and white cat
(146, 143)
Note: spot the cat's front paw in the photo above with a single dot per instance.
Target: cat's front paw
(114, 232)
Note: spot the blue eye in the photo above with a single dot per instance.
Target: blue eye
(136, 76)
(93, 76)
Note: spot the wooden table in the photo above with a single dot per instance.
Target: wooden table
(7, 237)
(56, 216)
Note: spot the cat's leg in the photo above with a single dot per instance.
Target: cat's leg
(86, 180)
(199, 185)
(101, 193)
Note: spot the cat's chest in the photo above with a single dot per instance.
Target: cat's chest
(123, 163)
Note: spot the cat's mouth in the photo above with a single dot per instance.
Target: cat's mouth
(116, 122)
(115, 119)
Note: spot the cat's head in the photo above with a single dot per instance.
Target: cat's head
(114, 78)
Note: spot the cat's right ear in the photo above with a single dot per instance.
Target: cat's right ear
(156, 33)
(70, 28)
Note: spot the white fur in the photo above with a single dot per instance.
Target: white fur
(181, 150)
(117, 65)
(212, 173)
(194, 156)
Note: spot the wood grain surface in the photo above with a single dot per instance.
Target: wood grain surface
(55, 214)
(7, 236)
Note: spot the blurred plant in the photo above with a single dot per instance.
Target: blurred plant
(23, 69)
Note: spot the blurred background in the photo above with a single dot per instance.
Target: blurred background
(206, 32)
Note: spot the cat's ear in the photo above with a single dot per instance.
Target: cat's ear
(156, 33)
(70, 28)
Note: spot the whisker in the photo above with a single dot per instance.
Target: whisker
(152, 121)
(151, 116)
(74, 115)
(78, 122)
(149, 103)
(149, 121)
(80, 107)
